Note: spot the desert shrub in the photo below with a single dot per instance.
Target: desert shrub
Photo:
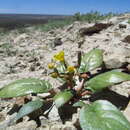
(4, 31)
(92, 16)
(54, 24)
(7, 49)
(22, 30)
(88, 17)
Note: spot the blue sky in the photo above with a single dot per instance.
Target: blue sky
(63, 6)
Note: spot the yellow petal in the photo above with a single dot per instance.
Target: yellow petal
(59, 56)
(71, 69)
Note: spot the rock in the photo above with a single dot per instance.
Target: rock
(4, 69)
(128, 67)
(45, 127)
(127, 112)
(51, 32)
(75, 118)
(69, 126)
(30, 125)
(113, 63)
(63, 127)
(20, 37)
(122, 88)
(53, 114)
(122, 25)
(56, 127)
(116, 57)
(51, 126)
(2, 116)
(127, 39)
(9, 121)
(32, 67)
(57, 42)
(43, 95)
(44, 122)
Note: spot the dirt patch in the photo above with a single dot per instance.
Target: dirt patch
(94, 29)
(127, 39)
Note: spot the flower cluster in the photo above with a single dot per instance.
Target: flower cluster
(60, 58)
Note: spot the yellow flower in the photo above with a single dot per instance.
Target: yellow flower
(54, 75)
(51, 65)
(71, 69)
(59, 56)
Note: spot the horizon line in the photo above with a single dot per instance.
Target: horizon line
(65, 14)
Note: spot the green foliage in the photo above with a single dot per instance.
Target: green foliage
(6, 46)
(107, 79)
(129, 21)
(77, 16)
(3, 31)
(61, 98)
(88, 17)
(22, 30)
(102, 115)
(8, 49)
(78, 81)
(54, 24)
(24, 87)
(29, 108)
(91, 60)
(61, 68)
(92, 16)
(79, 104)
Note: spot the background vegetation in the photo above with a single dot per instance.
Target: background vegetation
(47, 23)
(88, 17)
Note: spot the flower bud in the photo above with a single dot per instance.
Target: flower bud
(54, 75)
(51, 65)
(71, 69)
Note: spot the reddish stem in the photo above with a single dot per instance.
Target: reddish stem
(86, 93)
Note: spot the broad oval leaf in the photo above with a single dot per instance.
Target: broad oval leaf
(24, 87)
(62, 98)
(102, 115)
(107, 79)
(91, 60)
(29, 108)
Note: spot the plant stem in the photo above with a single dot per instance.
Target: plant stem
(79, 58)
(53, 91)
(80, 86)
(86, 93)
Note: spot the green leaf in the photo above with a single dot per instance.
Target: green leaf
(29, 108)
(24, 87)
(61, 67)
(91, 60)
(79, 104)
(102, 115)
(107, 79)
(61, 80)
(62, 98)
